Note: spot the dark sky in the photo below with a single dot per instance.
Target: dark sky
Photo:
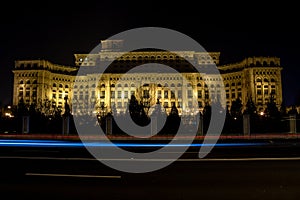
(55, 31)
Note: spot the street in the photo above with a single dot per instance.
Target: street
(243, 172)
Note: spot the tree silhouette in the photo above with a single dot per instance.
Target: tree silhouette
(283, 109)
(272, 110)
(137, 112)
(250, 107)
(172, 122)
(236, 108)
(22, 108)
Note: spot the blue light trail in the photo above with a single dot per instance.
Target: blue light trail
(70, 144)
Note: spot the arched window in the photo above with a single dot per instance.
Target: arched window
(126, 85)
(54, 85)
(266, 80)
(265, 63)
(179, 85)
(28, 82)
(21, 82)
(198, 85)
(258, 64)
(34, 82)
(272, 80)
(60, 86)
(172, 85)
(132, 85)
(112, 85)
(66, 86)
(258, 80)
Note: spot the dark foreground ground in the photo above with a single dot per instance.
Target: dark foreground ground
(269, 171)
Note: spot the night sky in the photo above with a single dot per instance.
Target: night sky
(55, 31)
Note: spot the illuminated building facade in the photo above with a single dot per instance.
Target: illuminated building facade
(44, 83)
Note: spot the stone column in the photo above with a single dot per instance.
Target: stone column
(200, 125)
(66, 125)
(293, 125)
(109, 119)
(246, 124)
(25, 124)
(153, 125)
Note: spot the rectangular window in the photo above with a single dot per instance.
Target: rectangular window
(190, 94)
(146, 94)
(126, 94)
(119, 94)
(112, 94)
(166, 104)
(132, 93)
(259, 92)
(102, 94)
(199, 92)
(179, 94)
(200, 104)
(102, 105)
(119, 104)
(113, 104)
(172, 94)
(179, 104)
(166, 94)
(266, 91)
(206, 95)
(273, 91)
(159, 94)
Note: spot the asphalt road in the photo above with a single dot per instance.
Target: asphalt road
(262, 172)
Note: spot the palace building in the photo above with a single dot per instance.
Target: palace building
(47, 84)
